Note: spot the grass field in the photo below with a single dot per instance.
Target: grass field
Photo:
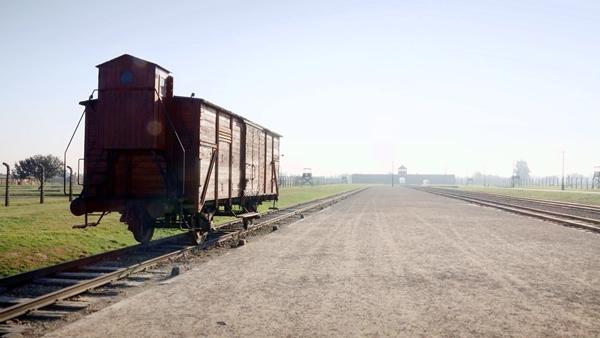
(585, 197)
(33, 235)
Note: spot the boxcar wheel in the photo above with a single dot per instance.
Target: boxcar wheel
(247, 222)
(198, 237)
(142, 226)
(251, 206)
(144, 235)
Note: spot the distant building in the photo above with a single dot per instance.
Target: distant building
(403, 177)
(430, 179)
(371, 178)
(402, 171)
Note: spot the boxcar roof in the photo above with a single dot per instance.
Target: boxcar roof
(135, 59)
(212, 105)
(208, 103)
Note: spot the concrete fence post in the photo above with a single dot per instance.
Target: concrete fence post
(42, 183)
(6, 198)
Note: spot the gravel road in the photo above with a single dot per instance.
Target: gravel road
(385, 262)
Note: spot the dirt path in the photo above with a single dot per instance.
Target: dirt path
(387, 262)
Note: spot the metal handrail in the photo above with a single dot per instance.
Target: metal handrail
(178, 140)
(69, 145)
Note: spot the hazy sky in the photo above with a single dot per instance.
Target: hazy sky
(440, 86)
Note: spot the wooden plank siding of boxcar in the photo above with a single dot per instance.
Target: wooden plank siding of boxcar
(137, 175)
(123, 127)
(274, 189)
(268, 167)
(224, 139)
(92, 150)
(249, 159)
(261, 161)
(236, 158)
(260, 152)
(130, 174)
(244, 153)
(132, 114)
(208, 144)
(252, 161)
(185, 114)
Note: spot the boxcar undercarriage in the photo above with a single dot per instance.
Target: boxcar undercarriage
(144, 215)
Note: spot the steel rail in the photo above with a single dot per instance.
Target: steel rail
(22, 278)
(12, 281)
(570, 205)
(553, 213)
(564, 219)
(562, 204)
(25, 277)
(85, 285)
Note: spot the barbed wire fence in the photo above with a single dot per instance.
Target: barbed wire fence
(571, 182)
(286, 181)
(28, 190)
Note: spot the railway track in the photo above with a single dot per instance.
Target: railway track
(569, 205)
(569, 214)
(45, 292)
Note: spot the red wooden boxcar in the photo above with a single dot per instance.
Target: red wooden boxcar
(169, 161)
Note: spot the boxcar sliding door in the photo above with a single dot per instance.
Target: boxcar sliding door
(223, 168)
(275, 173)
(208, 146)
(253, 161)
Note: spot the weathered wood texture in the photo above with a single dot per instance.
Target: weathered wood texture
(185, 114)
(239, 164)
(125, 138)
(208, 145)
(130, 144)
(132, 115)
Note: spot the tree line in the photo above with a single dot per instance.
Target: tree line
(31, 167)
